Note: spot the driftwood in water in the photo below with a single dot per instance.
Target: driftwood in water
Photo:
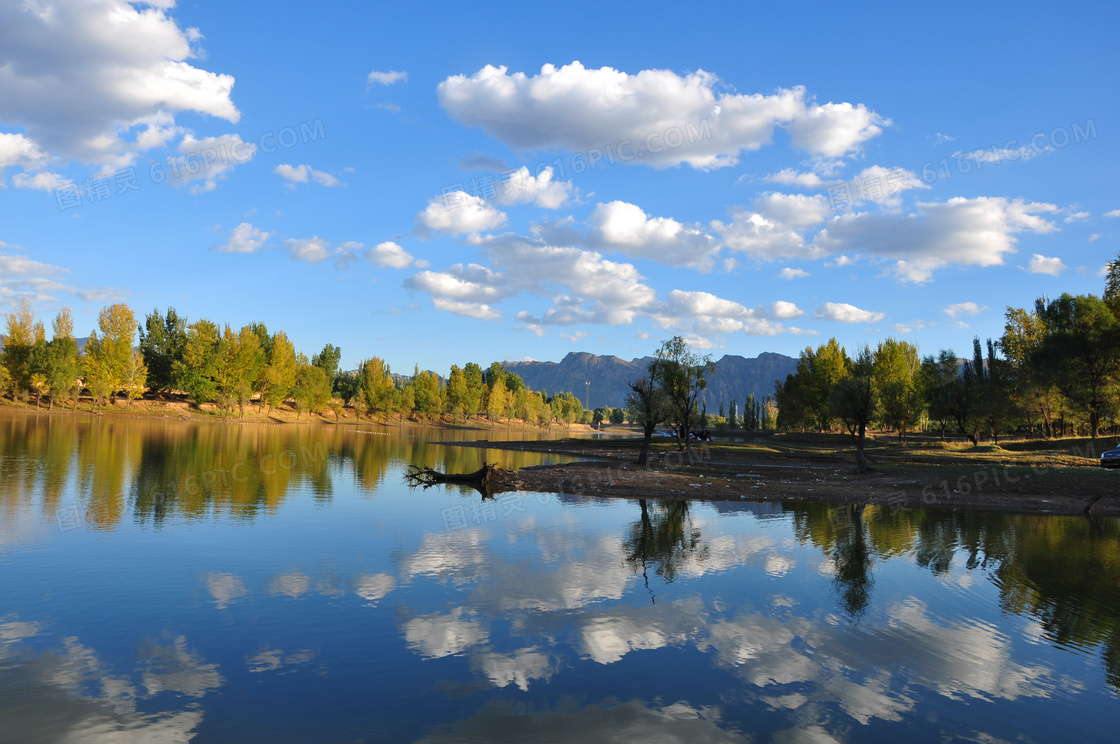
(484, 479)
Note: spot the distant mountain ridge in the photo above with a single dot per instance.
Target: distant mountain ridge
(734, 379)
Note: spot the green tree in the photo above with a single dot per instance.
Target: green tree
(278, 375)
(23, 333)
(1080, 353)
(683, 377)
(96, 372)
(897, 381)
(377, 384)
(63, 366)
(818, 372)
(854, 401)
(456, 393)
(199, 369)
(311, 389)
(162, 340)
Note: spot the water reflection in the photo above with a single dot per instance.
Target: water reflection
(563, 620)
(161, 470)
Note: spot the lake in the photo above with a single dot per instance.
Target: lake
(166, 581)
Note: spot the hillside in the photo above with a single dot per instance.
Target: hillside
(735, 377)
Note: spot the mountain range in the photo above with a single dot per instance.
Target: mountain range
(735, 377)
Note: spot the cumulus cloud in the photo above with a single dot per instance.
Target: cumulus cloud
(296, 174)
(203, 162)
(42, 181)
(244, 239)
(1112, 213)
(523, 188)
(785, 310)
(624, 227)
(100, 81)
(584, 286)
(775, 226)
(386, 78)
(704, 315)
(845, 313)
(964, 308)
(969, 232)
(17, 150)
(390, 255)
(790, 177)
(1043, 265)
(457, 213)
(789, 273)
(655, 117)
(315, 250)
(1076, 217)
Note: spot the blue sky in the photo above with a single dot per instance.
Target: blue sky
(763, 177)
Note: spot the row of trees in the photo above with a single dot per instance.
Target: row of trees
(234, 368)
(1054, 371)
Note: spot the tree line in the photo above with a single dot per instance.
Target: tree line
(234, 369)
(1055, 371)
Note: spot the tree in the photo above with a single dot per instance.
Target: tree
(328, 360)
(1080, 353)
(1112, 286)
(497, 400)
(311, 389)
(475, 389)
(279, 373)
(897, 379)
(96, 372)
(243, 360)
(162, 340)
(854, 401)
(818, 372)
(63, 367)
(427, 392)
(647, 401)
(197, 372)
(376, 383)
(23, 332)
(118, 329)
(682, 376)
(135, 380)
(1022, 334)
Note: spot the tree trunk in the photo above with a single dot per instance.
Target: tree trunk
(861, 458)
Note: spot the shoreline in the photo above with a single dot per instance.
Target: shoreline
(994, 480)
(1058, 477)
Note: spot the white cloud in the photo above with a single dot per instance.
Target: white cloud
(940, 139)
(17, 150)
(478, 310)
(1077, 217)
(1095, 236)
(703, 315)
(316, 250)
(976, 232)
(457, 213)
(1042, 265)
(209, 160)
(584, 286)
(840, 261)
(785, 310)
(790, 177)
(295, 174)
(390, 255)
(845, 313)
(101, 80)
(374, 586)
(775, 227)
(885, 185)
(386, 78)
(964, 308)
(1112, 213)
(42, 181)
(626, 228)
(541, 190)
(789, 273)
(655, 117)
(244, 239)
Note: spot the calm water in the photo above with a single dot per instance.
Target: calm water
(167, 582)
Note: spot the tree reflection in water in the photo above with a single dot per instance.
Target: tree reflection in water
(665, 538)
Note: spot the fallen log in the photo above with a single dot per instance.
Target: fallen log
(484, 479)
